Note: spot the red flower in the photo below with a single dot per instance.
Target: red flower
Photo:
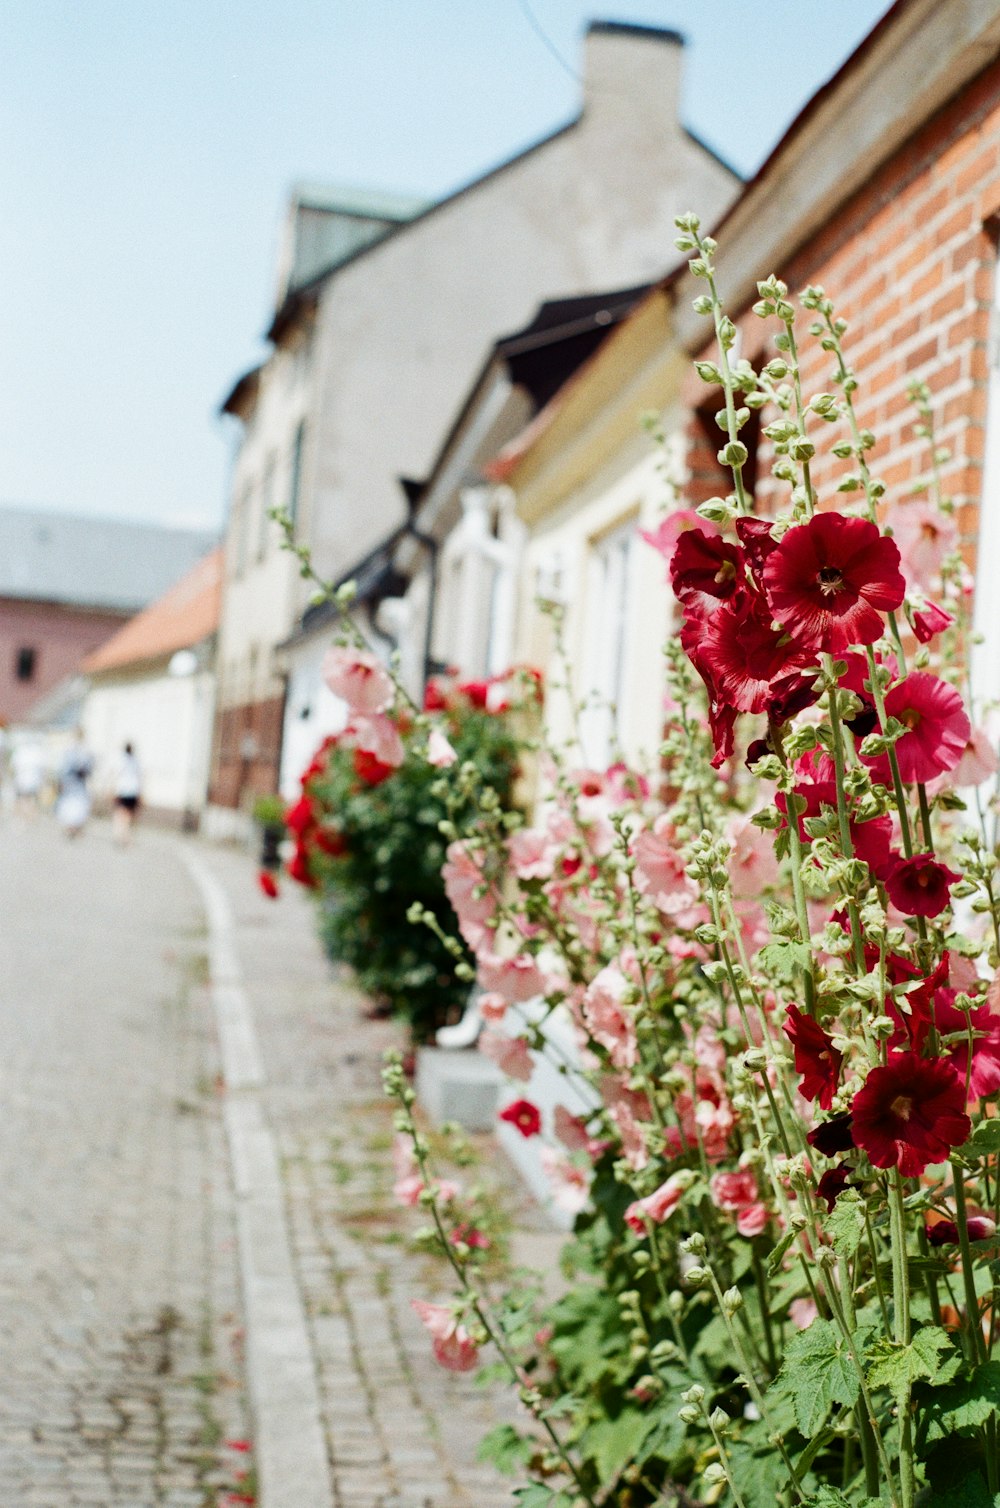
(298, 868)
(300, 817)
(830, 580)
(984, 1077)
(945, 1232)
(750, 663)
(910, 1113)
(920, 886)
(369, 768)
(930, 620)
(524, 1115)
(816, 1058)
(268, 884)
(330, 841)
(832, 1136)
(757, 540)
(833, 1183)
(476, 692)
(704, 565)
(938, 728)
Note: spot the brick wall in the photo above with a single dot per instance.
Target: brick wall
(247, 752)
(909, 262)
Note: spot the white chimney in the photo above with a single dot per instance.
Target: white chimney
(631, 69)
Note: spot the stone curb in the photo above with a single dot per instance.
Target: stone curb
(289, 1443)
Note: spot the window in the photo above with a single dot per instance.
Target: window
(241, 530)
(25, 662)
(295, 471)
(609, 574)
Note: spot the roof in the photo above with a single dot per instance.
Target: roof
(183, 617)
(635, 29)
(368, 204)
(109, 563)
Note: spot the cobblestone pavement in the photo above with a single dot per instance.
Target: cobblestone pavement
(401, 1432)
(120, 1328)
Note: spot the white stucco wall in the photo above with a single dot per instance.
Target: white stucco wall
(311, 711)
(168, 721)
(401, 330)
(557, 559)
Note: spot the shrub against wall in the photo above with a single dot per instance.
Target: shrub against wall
(368, 831)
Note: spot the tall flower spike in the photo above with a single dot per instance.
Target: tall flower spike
(830, 580)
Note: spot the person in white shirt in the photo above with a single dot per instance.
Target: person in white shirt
(128, 789)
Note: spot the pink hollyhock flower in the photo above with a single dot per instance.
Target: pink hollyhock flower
(667, 532)
(608, 1019)
(440, 753)
(660, 873)
(630, 1129)
(359, 678)
(978, 761)
(830, 580)
(517, 979)
(938, 728)
(929, 619)
(463, 879)
(816, 1058)
(920, 886)
(802, 1312)
(524, 1116)
(753, 865)
(492, 1007)
(658, 1206)
(571, 1130)
(468, 1235)
(379, 736)
(532, 854)
(510, 1054)
(569, 1184)
(924, 536)
(268, 884)
(704, 566)
(452, 1344)
(910, 1113)
(737, 1193)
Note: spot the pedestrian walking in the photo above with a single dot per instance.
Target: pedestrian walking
(73, 805)
(128, 790)
(28, 770)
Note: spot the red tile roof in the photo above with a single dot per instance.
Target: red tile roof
(183, 617)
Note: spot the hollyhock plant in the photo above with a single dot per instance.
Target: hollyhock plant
(924, 536)
(359, 678)
(831, 580)
(771, 1000)
(454, 1349)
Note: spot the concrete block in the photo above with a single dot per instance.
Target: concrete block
(458, 1085)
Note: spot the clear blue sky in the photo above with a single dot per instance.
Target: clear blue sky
(149, 146)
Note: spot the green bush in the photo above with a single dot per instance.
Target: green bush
(370, 845)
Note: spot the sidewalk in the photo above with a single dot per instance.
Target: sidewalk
(400, 1432)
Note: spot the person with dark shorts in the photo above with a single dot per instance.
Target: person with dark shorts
(128, 787)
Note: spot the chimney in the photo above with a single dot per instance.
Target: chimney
(632, 69)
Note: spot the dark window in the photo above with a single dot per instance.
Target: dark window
(295, 471)
(24, 663)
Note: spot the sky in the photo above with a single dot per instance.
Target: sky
(148, 151)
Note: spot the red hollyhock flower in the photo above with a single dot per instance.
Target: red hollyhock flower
(750, 663)
(938, 728)
(833, 1183)
(984, 1077)
(705, 566)
(330, 841)
(299, 870)
(756, 538)
(870, 840)
(369, 768)
(830, 580)
(945, 1232)
(833, 1136)
(816, 1058)
(476, 692)
(930, 620)
(920, 886)
(910, 1113)
(300, 817)
(268, 884)
(524, 1115)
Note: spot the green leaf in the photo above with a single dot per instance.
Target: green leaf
(537, 1496)
(970, 1492)
(846, 1223)
(984, 1140)
(817, 1373)
(966, 1405)
(611, 1443)
(505, 1448)
(897, 1367)
(784, 959)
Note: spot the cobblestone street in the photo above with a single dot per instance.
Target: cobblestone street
(120, 1298)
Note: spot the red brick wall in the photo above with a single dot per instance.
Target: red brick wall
(61, 637)
(909, 263)
(246, 755)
